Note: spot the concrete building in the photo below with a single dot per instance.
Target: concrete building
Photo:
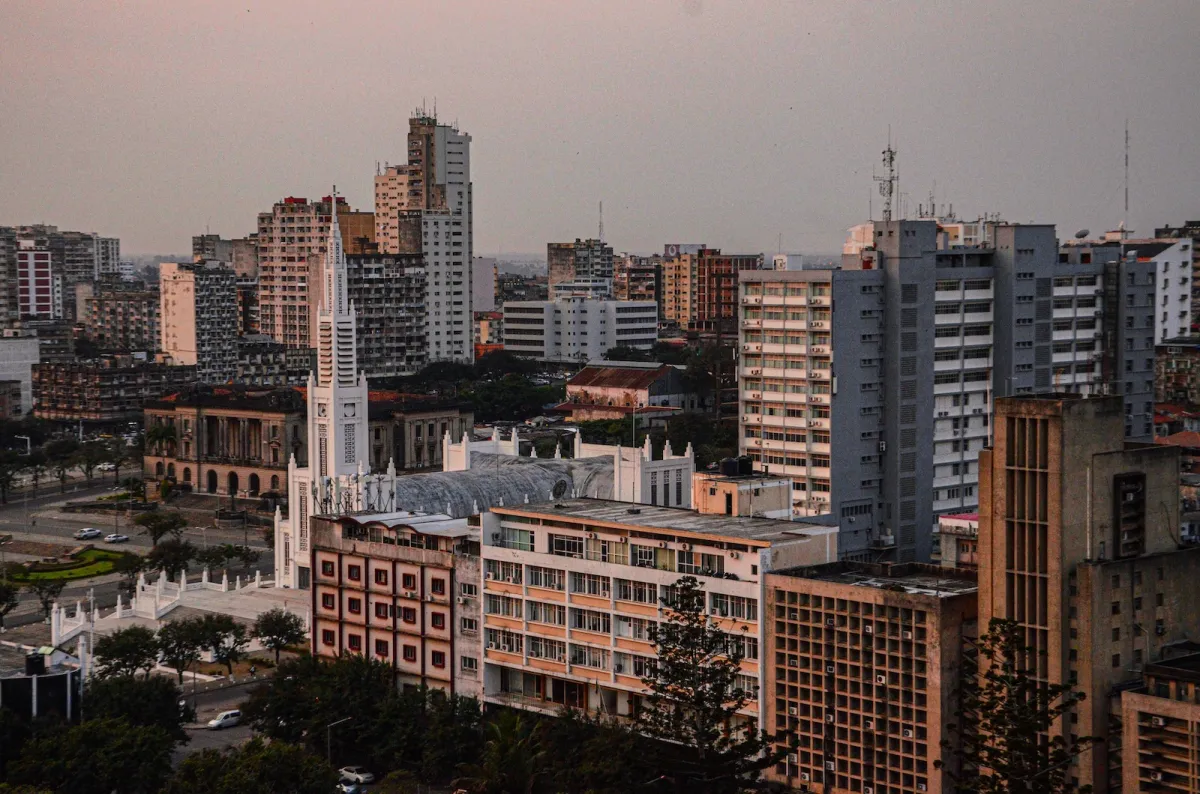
(211, 247)
(262, 361)
(108, 257)
(862, 668)
(1177, 371)
(388, 295)
(56, 261)
(410, 433)
(249, 318)
(638, 278)
(401, 588)
(434, 190)
(228, 440)
(10, 399)
(1191, 231)
(9, 304)
(199, 318)
(735, 489)
(40, 283)
(1171, 263)
(18, 356)
(956, 542)
(1162, 728)
(291, 245)
(109, 389)
(700, 289)
(489, 328)
(483, 285)
(577, 329)
(580, 261)
(618, 389)
(515, 287)
(120, 320)
(1109, 589)
(570, 592)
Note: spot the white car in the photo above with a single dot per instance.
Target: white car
(226, 719)
(356, 774)
(87, 533)
(116, 537)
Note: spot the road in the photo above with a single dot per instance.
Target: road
(209, 705)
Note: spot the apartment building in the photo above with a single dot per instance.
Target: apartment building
(9, 309)
(700, 286)
(388, 293)
(956, 542)
(1191, 231)
(199, 318)
(1079, 543)
(1177, 371)
(638, 278)
(40, 284)
(578, 329)
(582, 261)
(57, 260)
(291, 244)
(10, 399)
(108, 389)
(229, 440)
(1171, 264)
(120, 320)
(435, 189)
(18, 356)
(249, 319)
(571, 591)
(1162, 728)
(262, 361)
(402, 588)
(862, 663)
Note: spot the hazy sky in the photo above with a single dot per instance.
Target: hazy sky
(693, 120)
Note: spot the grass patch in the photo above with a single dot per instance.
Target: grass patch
(93, 562)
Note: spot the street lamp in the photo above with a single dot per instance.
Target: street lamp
(329, 739)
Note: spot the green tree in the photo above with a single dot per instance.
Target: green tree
(96, 757)
(37, 467)
(579, 751)
(171, 556)
(159, 524)
(47, 592)
(151, 702)
(129, 566)
(694, 699)
(626, 353)
(91, 455)
(160, 438)
(1001, 741)
(255, 766)
(512, 760)
(62, 457)
(126, 651)
(135, 487)
(180, 643)
(12, 463)
(119, 454)
(8, 599)
(225, 638)
(277, 628)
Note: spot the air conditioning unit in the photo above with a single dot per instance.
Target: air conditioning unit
(831, 766)
(793, 758)
(508, 579)
(592, 536)
(792, 711)
(733, 555)
(868, 629)
(619, 668)
(830, 668)
(906, 733)
(756, 372)
(1158, 722)
(1156, 776)
(489, 575)
(462, 599)
(881, 679)
(830, 622)
(922, 787)
(829, 718)
(685, 546)
(868, 790)
(491, 646)
(622, 539)
(908, 635)
(714, 611)
(495, 537)
(805, 777)
(869, 724)
(662, 544)
(605, 594)
(883, 446)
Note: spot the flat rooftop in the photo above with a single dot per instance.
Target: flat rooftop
(910, 577)
(1183, 667)
(424, 523)
(765, 530)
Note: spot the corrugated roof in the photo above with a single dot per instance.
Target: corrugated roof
(1185, 438)
(618, 377)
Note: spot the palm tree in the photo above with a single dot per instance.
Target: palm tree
(159, 436)
(511, 759)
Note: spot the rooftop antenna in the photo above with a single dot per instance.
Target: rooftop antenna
(1125, 222)
(889, 183)
(601, 232)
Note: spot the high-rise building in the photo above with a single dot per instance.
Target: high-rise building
(211, 246)
(9, 302)
(861, 662)
(637, 278)
(483, 284)
(435, 187)
(199, 318)
(700, 286)
(57, 261)
(1177, 372)
(1161, 723)
(581, 262)
(918, 335)
(1079, 544)
(291, 247)
(107, 257)
(1191, 231)
(388, 294)
(577, 328)
(40, 285)
(119, 320)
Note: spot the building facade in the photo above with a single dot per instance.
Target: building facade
(18, 356)
(108, 389)
(578, 329)
(1162, 729)
(1177, 371)
(862, 664)
(700, 289)
(230, 441)
(401, 588)
(638, 278)
(40, 284)
(199, 318)
(435, 188)
(388, 293)
(120, 320)
(581, 261)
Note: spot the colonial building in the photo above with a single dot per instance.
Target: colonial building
(226, 440)
(614, 390)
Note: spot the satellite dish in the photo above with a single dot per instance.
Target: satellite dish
(1081, 234)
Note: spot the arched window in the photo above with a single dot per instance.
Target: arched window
(274, 482)
(158, 469)
(212, 481)
(253, 484)
(187, 474)
(171, 470)
(233, 482)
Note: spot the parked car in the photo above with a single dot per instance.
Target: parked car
(87, 533)
(106, 467)
(346, 787)
(356, 774)
(116, 537)
(226, 719)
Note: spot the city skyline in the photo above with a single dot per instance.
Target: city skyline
(141, 124)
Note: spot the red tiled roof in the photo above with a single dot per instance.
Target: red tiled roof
(1185, 438)
(569, 407)
(618, 377)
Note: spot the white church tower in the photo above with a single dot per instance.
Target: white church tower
(337, 424)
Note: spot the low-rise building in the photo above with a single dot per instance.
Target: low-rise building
(108, 389)
(956, 542)
(489, 328)
(578, 329)
(228, 439)
(402, 588)
(572, 590)
(410, 431)
(616, 389)
(862, 663)
(733, 488)
(1161, 728)
(1177, 371)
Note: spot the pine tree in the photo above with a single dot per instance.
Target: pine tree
(1002, 740)
(694, 699)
